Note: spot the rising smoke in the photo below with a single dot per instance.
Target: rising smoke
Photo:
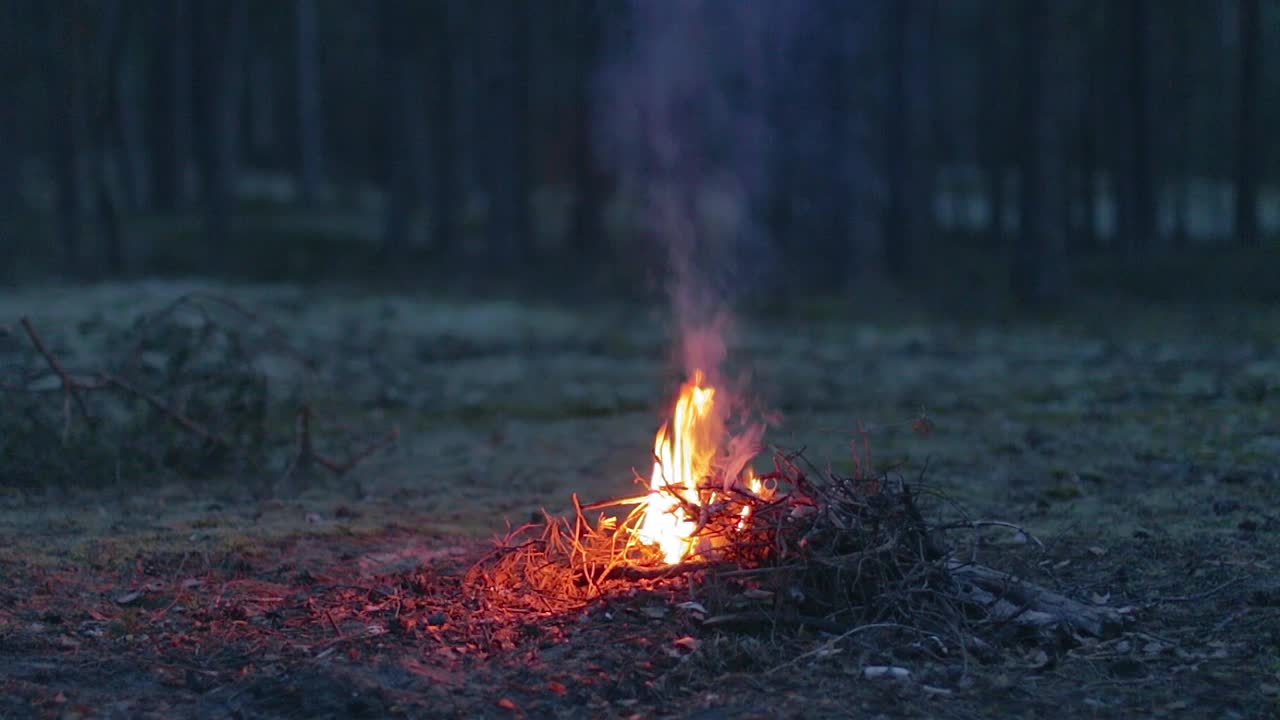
(684, 124)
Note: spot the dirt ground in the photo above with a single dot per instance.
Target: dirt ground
(1140, 444)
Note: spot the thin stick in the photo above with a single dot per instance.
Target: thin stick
(387, 441)
(1195, 596)
(828, 645)
(155, 402)
(336, 629)
(69, 384)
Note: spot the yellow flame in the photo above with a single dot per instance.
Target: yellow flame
(682, 451)
(756, 486)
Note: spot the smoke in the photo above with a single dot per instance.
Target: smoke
(684, 124)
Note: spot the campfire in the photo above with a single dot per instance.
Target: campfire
(687, 462)
(792, 545)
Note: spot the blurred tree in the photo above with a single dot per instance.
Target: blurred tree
(1142, 213)
(909, 159)
(165, 41)
(219, 70)
(1249, 142)
(445, 179)
(506, 127)
(836, 80)
(12, 65)
(310, 111)
(401, 81)
(1183, 92)
(588, 195)
(993, 88)
(66, 114)
(1087, 196)
(1036, 263)
(104, 126)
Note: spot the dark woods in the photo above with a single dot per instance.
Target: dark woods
(181, 136)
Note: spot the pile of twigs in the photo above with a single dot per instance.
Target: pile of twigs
(817, 544)
(813, 548)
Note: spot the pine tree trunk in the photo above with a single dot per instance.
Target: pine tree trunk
(65, 114)
(1249, 145)
(445, 179)
(397, 85)
(1142, 230)
(1037, 252)
(587, 241)
(310, 136)
(897, 149)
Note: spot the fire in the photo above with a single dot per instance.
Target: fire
(683, 451)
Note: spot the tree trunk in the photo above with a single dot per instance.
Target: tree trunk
(263, 137)
(445, 180)
(587, 241)
(310, 136)
(835, 245)
(1180, 178)
(66, 108)
(1142, 229)
(10, 156)
(991, 119)
(1087, 130)
(897, 148)
(507, 123)
(1249, 144)
(521, 75)
(105, 129)
(398, 83)
(183, 118)
(1036, 252)
(223, 33)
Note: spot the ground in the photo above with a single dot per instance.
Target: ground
(1139, 443)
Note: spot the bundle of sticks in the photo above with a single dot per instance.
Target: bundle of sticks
(811, 547)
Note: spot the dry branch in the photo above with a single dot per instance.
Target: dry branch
(70, 385)
(1012, 599)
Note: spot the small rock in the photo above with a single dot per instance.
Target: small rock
(888, 672)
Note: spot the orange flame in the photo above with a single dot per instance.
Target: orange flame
(683, 451)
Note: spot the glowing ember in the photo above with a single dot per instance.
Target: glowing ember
(683, 451)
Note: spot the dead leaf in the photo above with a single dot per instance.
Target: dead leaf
(1097, 551)
(557, 687)
(654, 611)
(128, 597)
(692, 607)
(508, 704)
(757, 594)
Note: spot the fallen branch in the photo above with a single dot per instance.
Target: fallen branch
(70, 385)
(1012, 599)
(178, 418)
(306, 453)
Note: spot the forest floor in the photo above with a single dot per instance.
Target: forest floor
(1141, 445)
